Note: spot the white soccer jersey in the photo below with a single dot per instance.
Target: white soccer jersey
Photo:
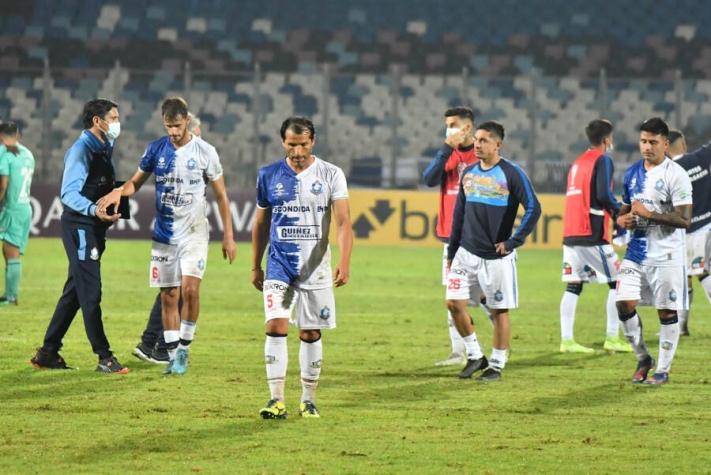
(181, 180)
(659, 189)
(299, 253)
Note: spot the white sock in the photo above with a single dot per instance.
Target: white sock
(567, 314)
(171, 337)
(472, 346)
(498, 358)
(276, 358)
(706, 284)
(454, 336)
(187, 333)
(310, 356)
(633, 332)
(668, 341)
(613, 321)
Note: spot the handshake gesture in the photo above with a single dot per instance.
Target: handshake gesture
(105, 202)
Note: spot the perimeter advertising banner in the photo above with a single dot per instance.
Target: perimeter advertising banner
(380, 217)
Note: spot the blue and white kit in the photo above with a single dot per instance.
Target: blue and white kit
(180, 233)
(299, 256)
(654, 264)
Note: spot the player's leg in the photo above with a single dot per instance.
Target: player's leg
(279, 300)
(461, 277)
(574, 275)
(456, 356)
(171, 322)
(629, 290)
(605, 264)
(669, 287)
(152, 338)
(13, 273)
(164, 274)
(683, 315)
(695, 251)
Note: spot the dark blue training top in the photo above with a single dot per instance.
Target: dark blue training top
(486, 209)
(697, 165)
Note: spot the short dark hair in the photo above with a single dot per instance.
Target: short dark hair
(8, 129)
(461, 112)
(493, 128)
(655, 126)
(675, 135)
(173, 107)
(96, 107)
(598, 130)
(298, 125)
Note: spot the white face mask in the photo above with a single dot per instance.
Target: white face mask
(451, 131)
(114, 130)
(610, 148)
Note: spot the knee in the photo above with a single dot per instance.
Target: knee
(624, 308)
(453, 306)
(310, 336)
(574, 288)
(191, 293)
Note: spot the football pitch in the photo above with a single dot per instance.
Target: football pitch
(385, 408)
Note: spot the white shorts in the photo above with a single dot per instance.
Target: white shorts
(696, 250)
(495, 278)
(662, 287)
(590, 264)
(315, 308)
(170, 262)
(473, 298)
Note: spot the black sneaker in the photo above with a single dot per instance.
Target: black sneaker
(160, 355)
(44, 359)
(111, 365)
(643, 369)
(684, 329)
(489, 374)
(473, 366)
(143, 352)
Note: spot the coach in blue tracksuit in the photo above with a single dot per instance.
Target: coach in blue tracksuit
(482, 246)
(88, 175)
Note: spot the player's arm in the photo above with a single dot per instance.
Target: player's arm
(260, 239)
(604, 171)
(432, 176)
(223, 204)
(3, 188)
(523, 191)
(344, 231)
(455, 235)
(129, 188)
(76, 171)
(680, 217)
(4, 174)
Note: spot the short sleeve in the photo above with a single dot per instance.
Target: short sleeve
(680, 188)
(213, 170)
(339, 187)
(148, 162)
(626, 190)
(4, 163)
(262, 195)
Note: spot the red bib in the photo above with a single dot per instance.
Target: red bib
(576, 219)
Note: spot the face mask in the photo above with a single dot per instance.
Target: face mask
(114, 130)
(451, 131)
(610, 148)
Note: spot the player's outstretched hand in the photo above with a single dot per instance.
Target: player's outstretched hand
(626, 221)
(342, 275)
(229, 250)
(107, 218)
(258, 278)
(501, 249)
(112, 198)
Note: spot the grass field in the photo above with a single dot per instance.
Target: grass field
(385, 408)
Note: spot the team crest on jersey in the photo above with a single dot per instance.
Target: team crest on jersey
(498, 296)
(316, 187)
(325, 313)
(672, 295)
(192, 164)
(161, 162)
(94, 254)
(201, 264)
(659, 185)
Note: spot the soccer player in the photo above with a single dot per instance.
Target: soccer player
(698, 236)
(17, 166)
(295, 197)
(482, 248)
(151, 348)
(444, 171)
(657, 204)
(587, 254)
(88, 175)
(183, 164)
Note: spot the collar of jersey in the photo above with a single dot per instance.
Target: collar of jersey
(302, 173)
(94, 143)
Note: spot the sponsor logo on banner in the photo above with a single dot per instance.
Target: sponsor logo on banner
(299, 233)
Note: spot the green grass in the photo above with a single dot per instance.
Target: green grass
(385, 407)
